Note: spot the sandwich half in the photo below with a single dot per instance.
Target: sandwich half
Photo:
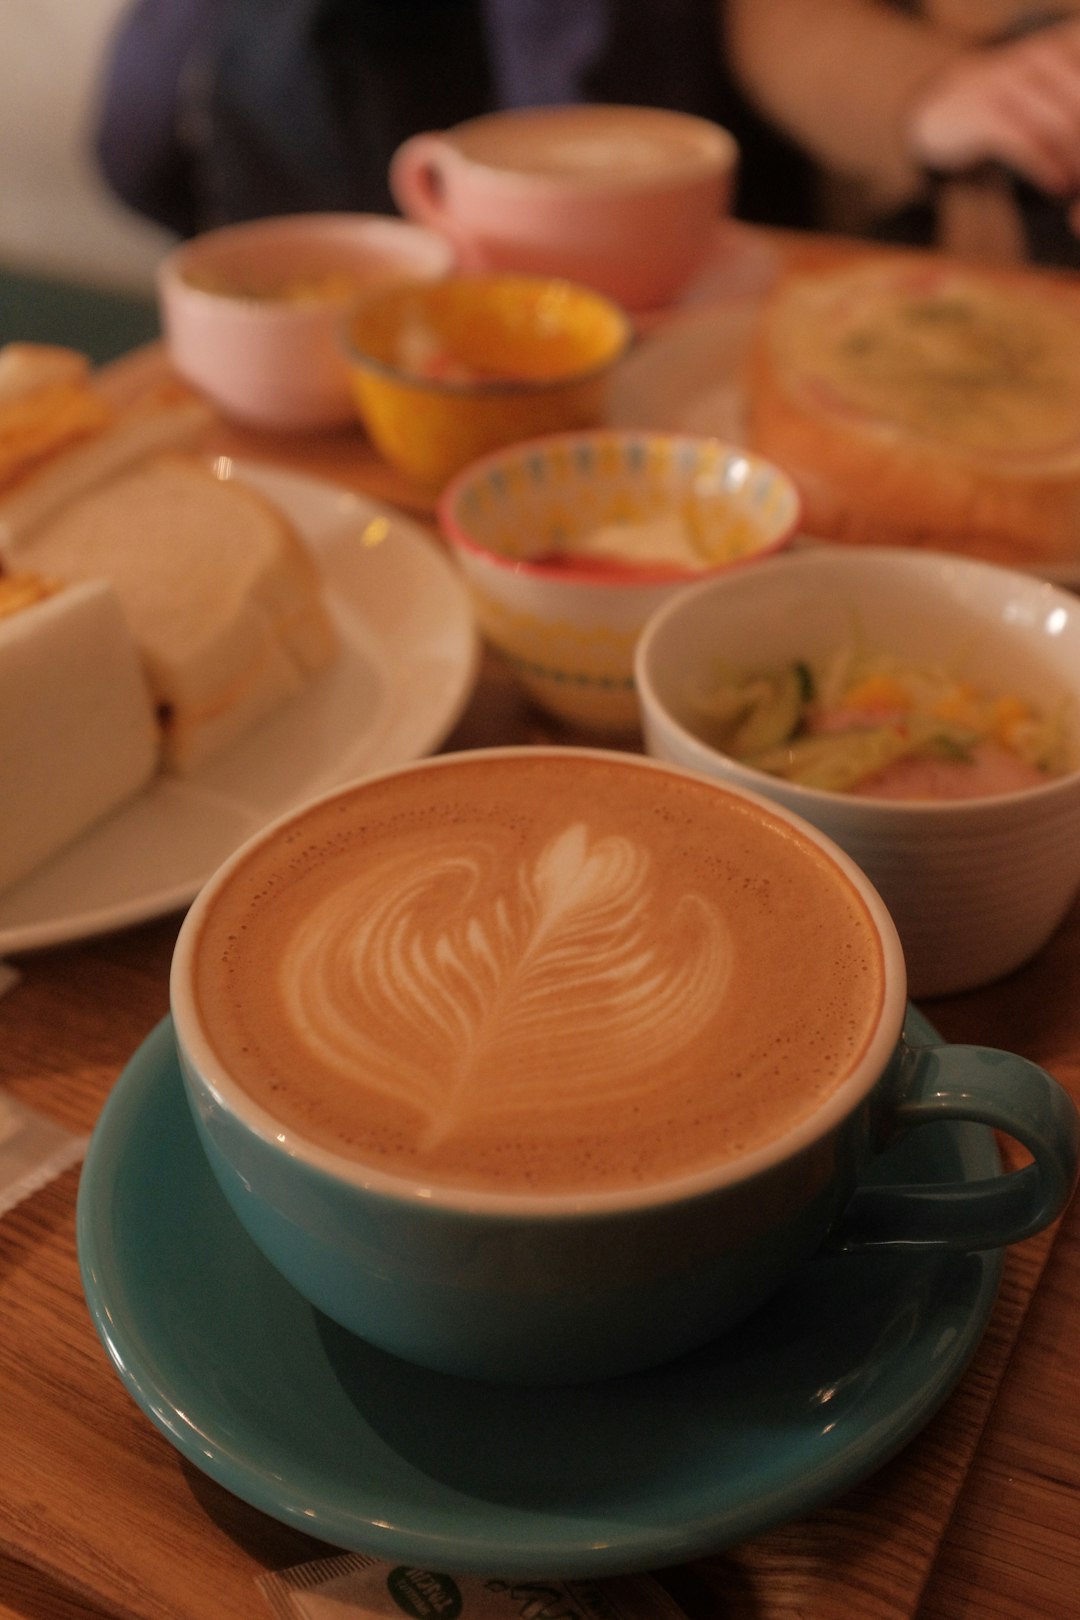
(219, 592)
(77, 730)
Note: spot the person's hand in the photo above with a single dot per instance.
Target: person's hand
(1016, 104)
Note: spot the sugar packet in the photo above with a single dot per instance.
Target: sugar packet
(354, 1585)
(33, 1150)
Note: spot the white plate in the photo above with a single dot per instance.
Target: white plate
(406, 669)
(684, 377)
(739, 261)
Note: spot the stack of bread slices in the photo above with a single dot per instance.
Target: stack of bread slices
(151, 612)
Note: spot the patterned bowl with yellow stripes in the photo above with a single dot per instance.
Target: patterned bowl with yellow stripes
(570, 542)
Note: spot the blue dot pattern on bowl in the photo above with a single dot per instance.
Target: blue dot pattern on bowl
(540, 497)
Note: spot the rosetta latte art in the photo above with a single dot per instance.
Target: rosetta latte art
(512, 996)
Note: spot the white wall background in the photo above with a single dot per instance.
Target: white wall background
(56, 216)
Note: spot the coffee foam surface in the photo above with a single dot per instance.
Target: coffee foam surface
(539, 976)
(579, 144)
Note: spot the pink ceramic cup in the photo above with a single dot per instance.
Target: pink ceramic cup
(625, 199)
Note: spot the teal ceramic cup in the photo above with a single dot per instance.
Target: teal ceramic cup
(538, 1288)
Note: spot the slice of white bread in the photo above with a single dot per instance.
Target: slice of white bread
(60, 435)
(221, 595)
(919, 401)
(77, 730)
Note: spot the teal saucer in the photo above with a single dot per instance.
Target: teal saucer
(345, 1442)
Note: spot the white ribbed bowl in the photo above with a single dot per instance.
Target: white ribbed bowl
(976, 887)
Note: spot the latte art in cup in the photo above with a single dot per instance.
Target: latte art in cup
(538, 975)
(485, 979)
(609, 143)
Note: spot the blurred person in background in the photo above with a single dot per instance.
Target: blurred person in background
(212, 111)
(952, 123)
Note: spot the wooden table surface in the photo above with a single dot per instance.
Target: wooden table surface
(978, 1517)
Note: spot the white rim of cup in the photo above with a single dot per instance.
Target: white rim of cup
(716, 163)
(848, 1096)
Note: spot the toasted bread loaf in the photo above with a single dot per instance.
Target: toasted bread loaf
(77, 730)
(220, 593)
(924, 403)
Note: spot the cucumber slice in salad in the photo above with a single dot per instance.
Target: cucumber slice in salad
(776, 712)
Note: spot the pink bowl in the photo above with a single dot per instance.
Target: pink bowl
(253, 313)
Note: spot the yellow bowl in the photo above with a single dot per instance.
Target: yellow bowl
(444, 373)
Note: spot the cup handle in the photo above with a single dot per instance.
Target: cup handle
(417, 179)
(987, 1087)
